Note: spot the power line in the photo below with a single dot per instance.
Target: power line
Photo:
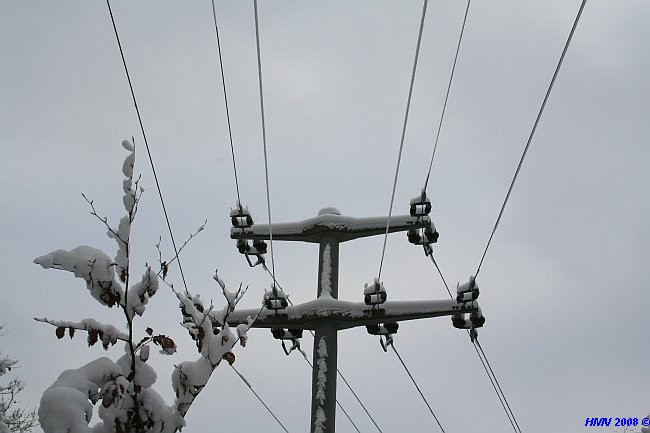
(492, 377)
(146, 143)
(417, 387)
(225, 98)
(532, 132)
(444, 106)
(478, 344)
(259, 398)
(266, 163)
(401, 143)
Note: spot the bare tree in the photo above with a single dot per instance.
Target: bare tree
(12, 417)
(124, 387)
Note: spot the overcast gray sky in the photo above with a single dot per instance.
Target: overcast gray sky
(563, 286)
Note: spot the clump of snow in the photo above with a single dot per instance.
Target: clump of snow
(91, 264)
(326, 273)
(121, 236)
(322, 369)
(67, 405)
(6, 364)
(140, 293)
(319, 424)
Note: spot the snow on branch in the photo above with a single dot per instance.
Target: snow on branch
(91, 264)
(108, 334)
(124, 387)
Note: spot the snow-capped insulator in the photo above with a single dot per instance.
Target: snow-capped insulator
(375, 294)
(241, 217)
(286, 334)
(420, 205)
(468, 291)
(383, 329)
(275, 299)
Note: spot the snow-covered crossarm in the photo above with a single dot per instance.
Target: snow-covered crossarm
(343, 228)
(345, 314)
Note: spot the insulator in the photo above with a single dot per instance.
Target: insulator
(420, 205)
(431, 234)
(275, 300)
(276, 304)
(260, 246)
(467, 287)
(414, 237)
(243, 246)
(383, 329)
(467, 296)
(372, 329)
(477, 318)
(242, 221)
(461, 322)
(375, 298)
(286, 334)
(374, 294)
(241, 217)
(477, 322)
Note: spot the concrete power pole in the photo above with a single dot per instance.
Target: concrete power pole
(326, 315)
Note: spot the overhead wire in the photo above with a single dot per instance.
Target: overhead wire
(401, 143)
(417, 387)
(444, 105)
(225, 97)
(266, 162)
(490, 373)
(146, 143)
(259, 398)
(532, 132)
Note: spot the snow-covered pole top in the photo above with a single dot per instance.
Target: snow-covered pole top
(343, 228)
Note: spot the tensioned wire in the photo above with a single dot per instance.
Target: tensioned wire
(266, 162)
(401, 143)
(146, 143)
(532, 133)
(444, 105)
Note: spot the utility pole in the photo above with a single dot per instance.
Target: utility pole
(326, 315)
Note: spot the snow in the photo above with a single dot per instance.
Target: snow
(371, 289)
(5, 365)
(343, 227)
(67, 405)
(342, 311)
(91, 264)
(320, 420)
(321, 379)
(138, 295)
(322, 369)
(326, 274)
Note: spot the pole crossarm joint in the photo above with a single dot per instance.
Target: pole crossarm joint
(345, 314)
(342, 228)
